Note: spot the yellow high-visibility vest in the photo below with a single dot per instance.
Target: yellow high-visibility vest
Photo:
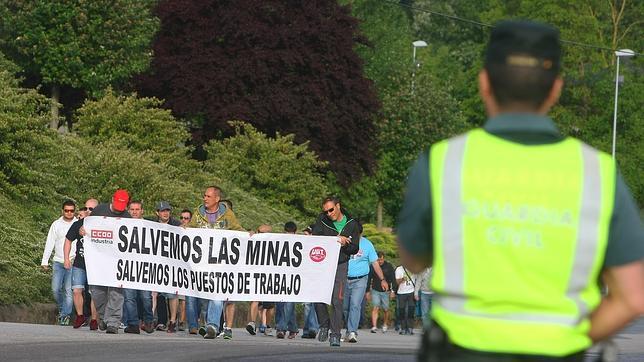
(520, 234)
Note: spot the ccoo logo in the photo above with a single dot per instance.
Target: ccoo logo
(317, 254)
(102, 234)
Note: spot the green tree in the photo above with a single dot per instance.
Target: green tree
(276, 169)
(586, 105)
(408, 122)
(137, 123)
(411, 123)
(83, 44)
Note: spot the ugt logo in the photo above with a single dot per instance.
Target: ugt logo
(317, 254)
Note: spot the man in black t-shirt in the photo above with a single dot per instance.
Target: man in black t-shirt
(109, 300)
(79, 275)
(377, 295)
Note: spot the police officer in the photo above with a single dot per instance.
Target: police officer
(519, 222)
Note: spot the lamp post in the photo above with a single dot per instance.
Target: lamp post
(416, 44)
(618, 53)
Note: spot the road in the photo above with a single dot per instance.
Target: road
(36, 342)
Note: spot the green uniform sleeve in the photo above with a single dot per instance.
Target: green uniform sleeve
(414, 227)
(626, 235)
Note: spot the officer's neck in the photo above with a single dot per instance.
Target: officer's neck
(515, 108)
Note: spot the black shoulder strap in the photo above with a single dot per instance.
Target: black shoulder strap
(410, 278)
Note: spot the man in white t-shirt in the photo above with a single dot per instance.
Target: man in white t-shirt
(405, 299)
(61, 280)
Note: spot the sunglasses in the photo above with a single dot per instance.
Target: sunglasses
(69, 210)
(185, 218)
(329, 210)
(86, 209)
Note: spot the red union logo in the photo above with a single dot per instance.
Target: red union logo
(102, 234)
(317, 254)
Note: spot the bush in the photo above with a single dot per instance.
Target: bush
(383, 241)
(39, 168)
(136, 123)
(21, 280)
(275, 169)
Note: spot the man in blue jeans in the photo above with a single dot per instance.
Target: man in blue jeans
(61, 281)
(213, 318)
(311, 325)
(130, 309)
(357, 277)
(286, 321)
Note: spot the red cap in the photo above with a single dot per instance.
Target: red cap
(120, 200)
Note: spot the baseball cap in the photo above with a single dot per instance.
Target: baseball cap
(524, 44)
(120, 200)
(163, 205)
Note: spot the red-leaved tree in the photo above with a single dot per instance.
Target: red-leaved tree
(283, 66)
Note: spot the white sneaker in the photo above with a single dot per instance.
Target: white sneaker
(384, 329)
(269, 331)
(352, 337)
(374, 329)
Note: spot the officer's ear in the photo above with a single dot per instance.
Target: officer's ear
(487, 94)
(553, 96)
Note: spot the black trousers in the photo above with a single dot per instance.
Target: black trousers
(334, 322)
(435, 346)
(406, 306)
(162, 309)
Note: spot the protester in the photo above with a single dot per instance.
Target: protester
(61, 281)
(167, 301)
(109, 300)
(423, 294)
(132, 296)
(253, 307)
(213, 214)
(311, 325)
(186, 217)
(380, 296)
(357, 279)
(267, 311)
(287, 321)
(335, 221)
(405, 299)
(77, 266)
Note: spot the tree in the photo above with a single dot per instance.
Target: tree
(408, 123)
(283, 66)
(82, 44)
(585, 108)
(137, 123)
(276, 169)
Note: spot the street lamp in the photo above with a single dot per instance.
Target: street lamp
(618, 53)
(416, 44)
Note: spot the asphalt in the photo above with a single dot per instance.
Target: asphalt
(34, 342)
(37, 342)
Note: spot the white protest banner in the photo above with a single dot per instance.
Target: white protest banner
(209, 263)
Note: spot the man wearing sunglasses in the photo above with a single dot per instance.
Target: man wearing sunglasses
(61, 281)
(77, 267)
(186, 217)
(335, 221)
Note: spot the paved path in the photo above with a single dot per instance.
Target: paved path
(32, 342)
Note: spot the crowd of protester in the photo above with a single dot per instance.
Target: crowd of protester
(363, 277)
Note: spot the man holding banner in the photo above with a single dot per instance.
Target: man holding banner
(334, 221)
(109, 300)
(213, 214)
(213, 264)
